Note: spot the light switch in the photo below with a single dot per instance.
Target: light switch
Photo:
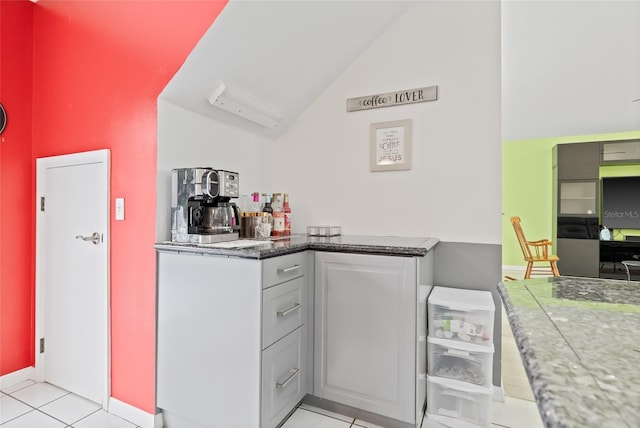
(119, 208)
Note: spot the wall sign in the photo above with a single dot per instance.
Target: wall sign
(390, 145)
(389, 99)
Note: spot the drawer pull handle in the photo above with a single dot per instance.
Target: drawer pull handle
(289, 269)
(294, 373)
(288, 311)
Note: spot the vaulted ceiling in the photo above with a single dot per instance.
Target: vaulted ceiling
(283, 54)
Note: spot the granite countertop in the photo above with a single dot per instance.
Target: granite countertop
(383, 245)
(579, 339)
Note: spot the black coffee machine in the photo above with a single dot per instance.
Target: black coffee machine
(201, 211)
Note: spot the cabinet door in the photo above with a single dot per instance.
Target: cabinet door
(365, 332)
(578, 161)
(579, 257)
(617, 152)
(578, 198)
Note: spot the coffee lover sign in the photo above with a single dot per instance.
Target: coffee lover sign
(390, 99)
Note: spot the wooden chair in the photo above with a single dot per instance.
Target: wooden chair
(535, 252)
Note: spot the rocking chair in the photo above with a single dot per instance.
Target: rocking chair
(535, 252)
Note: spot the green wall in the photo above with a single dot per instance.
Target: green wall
(527, 187)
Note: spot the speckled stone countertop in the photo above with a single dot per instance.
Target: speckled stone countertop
(384, 245)
(579, 339)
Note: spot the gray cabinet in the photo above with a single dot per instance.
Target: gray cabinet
(578, 161)
(208, 341)
(232, 343)
(236, 347)
(620, 152)
(284, 334)
(365, 332)
(576, 205)
(579, 257)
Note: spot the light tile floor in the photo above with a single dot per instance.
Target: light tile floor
(32, 404)
(40, 405)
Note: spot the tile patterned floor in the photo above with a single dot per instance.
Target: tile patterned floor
(32, 404)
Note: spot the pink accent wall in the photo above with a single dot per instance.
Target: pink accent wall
(98, 68)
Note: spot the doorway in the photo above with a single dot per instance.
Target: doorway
(72, 273)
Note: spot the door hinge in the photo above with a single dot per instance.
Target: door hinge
(42, 345)
(41, 203)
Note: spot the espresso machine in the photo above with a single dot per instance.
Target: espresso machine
(201, 211)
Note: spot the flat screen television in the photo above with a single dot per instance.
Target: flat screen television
(621, 202)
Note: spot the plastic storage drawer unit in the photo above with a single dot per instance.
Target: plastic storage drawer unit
(458, 404)
(466, 362)
(462, 315)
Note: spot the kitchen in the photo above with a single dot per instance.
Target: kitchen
(340, 141)
(449, 219)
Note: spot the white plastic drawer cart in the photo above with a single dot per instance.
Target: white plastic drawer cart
(460, 357)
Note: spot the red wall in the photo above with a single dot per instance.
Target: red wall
(98, 68)
(16, 183)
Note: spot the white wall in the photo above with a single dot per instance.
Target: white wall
(453, 190)
(186, 139)
(570, 68)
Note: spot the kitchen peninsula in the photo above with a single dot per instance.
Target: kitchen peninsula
(245, 333)
(578, 338)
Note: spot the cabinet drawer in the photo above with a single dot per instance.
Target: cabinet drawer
(282, 310)
(462, 361)
(455, 403)
(283, 268)
(462, 315)
(282, 378)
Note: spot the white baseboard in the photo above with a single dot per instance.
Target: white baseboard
(17, 377)
(134, 414)
(514, 268)
(498, 394)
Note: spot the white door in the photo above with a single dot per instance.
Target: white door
(72, 267)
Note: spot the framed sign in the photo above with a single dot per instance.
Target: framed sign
(390, 145)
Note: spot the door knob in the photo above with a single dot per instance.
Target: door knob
(95, 238)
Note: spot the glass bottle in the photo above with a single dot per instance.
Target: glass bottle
(278, 215)
(287, 215)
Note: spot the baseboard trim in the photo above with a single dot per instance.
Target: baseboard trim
(515, 268)
(498, 394)
(134, 414)
(18, 376)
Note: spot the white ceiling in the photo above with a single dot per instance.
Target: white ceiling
(282, 53)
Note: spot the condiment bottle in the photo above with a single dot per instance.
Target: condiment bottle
(267, 204)
(267, 208)
(255, 206)
(278, 216)
(287, 215)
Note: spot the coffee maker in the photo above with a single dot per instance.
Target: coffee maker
(200, 209)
